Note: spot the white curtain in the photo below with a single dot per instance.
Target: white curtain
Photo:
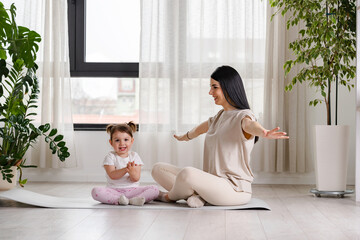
(182, 43)
(49, 19)
(287, 110)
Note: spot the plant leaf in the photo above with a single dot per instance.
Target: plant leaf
(52, 132)
(58, 138)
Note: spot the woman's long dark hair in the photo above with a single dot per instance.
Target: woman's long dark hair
(232, 86)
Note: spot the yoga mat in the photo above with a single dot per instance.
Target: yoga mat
(41, 200)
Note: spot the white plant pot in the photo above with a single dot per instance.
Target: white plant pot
(331, 157)
(5, 185)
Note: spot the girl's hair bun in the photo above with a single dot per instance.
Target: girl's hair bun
(109, 127)
(132, 125)
(128, 128)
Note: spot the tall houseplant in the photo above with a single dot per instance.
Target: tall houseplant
(326, 47)
(19, 89)
(325, 51)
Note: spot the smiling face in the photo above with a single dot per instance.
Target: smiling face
(216, 92)
(121, 142)
(218, 95)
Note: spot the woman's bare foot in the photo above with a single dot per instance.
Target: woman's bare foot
(195, 201)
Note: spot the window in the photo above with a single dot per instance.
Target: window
(104, 39)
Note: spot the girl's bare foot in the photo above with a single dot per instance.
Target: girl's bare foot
(163, 197)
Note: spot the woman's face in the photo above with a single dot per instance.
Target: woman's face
(217, 93)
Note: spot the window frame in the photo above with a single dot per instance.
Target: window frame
(80, 68)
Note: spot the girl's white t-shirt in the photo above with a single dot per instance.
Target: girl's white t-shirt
(115, 160)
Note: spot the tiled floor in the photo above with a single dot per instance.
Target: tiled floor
(296, 214)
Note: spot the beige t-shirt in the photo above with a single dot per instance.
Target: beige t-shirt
(227, 151)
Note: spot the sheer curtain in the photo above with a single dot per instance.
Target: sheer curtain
(49, 19)
(287, 110)
(182, 43)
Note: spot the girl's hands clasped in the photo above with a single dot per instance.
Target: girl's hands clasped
(134, 171)
(131, 166)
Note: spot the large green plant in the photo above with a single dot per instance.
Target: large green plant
(19, 89)
(326, 47)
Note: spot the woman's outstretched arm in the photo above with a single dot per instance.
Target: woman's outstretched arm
(196, 131)
(254, 128)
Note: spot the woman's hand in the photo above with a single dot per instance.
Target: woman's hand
(274, 134)
(181, 137)
(193, 133)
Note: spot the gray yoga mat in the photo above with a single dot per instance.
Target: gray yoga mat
(41, 200)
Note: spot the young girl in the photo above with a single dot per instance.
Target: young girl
(123, 168)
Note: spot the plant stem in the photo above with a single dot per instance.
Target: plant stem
(328, 104)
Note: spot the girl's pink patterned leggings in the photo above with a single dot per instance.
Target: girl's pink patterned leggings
(111, 195)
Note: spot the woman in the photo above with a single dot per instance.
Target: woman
(230, 136)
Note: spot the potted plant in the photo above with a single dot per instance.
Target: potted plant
(325, 50)
(19, 89)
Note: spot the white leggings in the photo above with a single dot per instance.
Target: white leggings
(184, 182)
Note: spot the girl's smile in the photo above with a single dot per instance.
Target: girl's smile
(121, 142)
